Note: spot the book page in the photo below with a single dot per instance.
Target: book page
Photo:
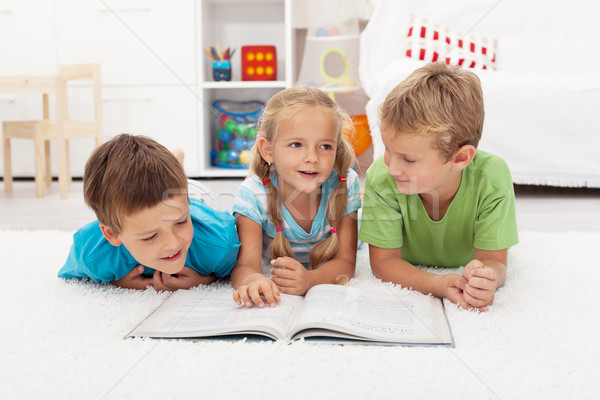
(203, 313)
(362, 315)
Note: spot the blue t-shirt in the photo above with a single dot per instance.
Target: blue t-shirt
(251, 202)
(213, 250)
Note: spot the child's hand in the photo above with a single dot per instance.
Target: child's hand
(134, 279)
(291, 277)
(260, 285)
(184, 279)
(481, 284)
(453, 286)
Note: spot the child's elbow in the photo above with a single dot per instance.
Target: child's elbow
(346, 273)
(375, 269)
(344, 277)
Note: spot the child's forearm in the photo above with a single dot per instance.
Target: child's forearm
(243, 275)
(407, 275)
(137, 284)
(331, 271)
(206, 279)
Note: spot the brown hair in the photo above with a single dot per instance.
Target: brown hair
(281, 106)
(439, 101)
(127, 174)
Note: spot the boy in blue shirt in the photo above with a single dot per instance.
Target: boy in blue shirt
(148, 232)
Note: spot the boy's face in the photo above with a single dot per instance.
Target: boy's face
(417, 167)
(157, 237)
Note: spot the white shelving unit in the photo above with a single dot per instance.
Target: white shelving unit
(236, 23)
(155, 82)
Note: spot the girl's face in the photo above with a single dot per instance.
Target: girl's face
(304, 150)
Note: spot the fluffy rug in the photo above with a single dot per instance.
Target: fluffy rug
(64, 339)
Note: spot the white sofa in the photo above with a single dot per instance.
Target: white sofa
(543, 100)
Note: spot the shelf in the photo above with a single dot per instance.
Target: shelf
(332, 38)
(223, 172)
(244, 84)
(237, 23)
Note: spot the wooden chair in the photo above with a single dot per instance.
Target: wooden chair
(61, 129)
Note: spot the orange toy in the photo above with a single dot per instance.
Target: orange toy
(259, 63)
(361, 140)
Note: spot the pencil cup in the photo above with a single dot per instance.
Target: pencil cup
(222, 70)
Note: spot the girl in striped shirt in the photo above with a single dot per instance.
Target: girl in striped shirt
(296, 213)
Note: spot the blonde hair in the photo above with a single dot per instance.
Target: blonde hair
(439, 101)
(128, 174)
(282, 106)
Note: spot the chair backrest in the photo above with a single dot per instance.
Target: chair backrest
(89, 72)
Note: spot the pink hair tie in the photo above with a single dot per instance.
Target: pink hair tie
(278, 229)
(265, 181)
(333, 230)
(342, 179)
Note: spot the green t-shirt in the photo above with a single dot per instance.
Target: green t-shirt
(481, 215)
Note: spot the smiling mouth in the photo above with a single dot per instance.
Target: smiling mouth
(402, 181)
(173, 256)
(309, 173)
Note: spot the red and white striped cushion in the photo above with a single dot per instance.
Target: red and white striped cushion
(430, 42)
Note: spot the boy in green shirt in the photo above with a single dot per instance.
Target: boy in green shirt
(433, 199)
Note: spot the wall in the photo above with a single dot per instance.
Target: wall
(147, 52)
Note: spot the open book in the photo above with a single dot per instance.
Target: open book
(327, 312)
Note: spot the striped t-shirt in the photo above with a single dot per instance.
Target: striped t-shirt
(251, 201)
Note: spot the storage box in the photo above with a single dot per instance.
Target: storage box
(235, 129)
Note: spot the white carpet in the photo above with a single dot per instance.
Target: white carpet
(59, 339)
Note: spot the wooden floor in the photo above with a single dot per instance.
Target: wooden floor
(538, 208)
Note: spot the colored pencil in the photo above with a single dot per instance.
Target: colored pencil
(209, 53)
(216, 54)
